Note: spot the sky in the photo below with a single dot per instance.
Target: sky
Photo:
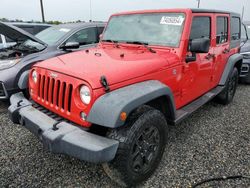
(73, 10)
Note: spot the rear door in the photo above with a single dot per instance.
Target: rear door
(222, 46)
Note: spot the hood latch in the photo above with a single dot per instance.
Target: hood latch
(105, 83)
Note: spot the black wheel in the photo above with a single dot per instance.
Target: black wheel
(142, 144)
(227, 95)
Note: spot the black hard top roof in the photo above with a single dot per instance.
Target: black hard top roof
(196, 10)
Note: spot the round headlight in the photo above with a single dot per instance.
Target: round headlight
(34, 76)
(85, 94)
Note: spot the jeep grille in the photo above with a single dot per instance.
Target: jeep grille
(55, 92)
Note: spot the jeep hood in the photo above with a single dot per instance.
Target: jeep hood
(116, 64)
(16, 34)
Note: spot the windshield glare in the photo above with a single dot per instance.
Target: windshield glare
(164, 29)
(31, 45)
(243, 31)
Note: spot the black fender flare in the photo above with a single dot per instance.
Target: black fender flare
(107, 109)
(229, 68)
(23, 82)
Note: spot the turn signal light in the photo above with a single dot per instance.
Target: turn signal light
(123, 116)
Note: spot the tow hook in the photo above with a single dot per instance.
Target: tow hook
(104, 83)
(19, 103)
(55, 126)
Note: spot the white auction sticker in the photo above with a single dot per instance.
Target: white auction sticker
(249, 27)
(167, 20)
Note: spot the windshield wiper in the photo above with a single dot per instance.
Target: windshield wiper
(112, 41)
(145, 44)
(108, 40)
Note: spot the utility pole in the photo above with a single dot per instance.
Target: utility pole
(42, 11)
(90, 10)
(199, 1)
(243, 12)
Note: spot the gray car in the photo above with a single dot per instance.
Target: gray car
(16, 61)
(245, 51)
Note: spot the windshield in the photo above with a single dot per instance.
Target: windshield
(30, 45)
(163, 29)
(248, 30)
(243, 33)
(52, 35)
(49, 36)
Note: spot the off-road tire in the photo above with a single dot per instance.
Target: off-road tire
(123, 169)
(227, 95)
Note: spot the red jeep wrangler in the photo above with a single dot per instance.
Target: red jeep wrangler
(113, 104)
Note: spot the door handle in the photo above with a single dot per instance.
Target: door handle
(225, 51)
(209, 56)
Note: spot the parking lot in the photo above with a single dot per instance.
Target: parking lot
(213, 142)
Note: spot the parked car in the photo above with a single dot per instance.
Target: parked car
(113, 104)
(32, 28)
(17, 60)
(245, 51)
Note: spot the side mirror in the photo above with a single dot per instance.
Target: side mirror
(200, 45)
(71, 46)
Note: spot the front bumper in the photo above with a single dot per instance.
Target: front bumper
(245, 68)
(3, 91)
(66, 138)
(8, 84)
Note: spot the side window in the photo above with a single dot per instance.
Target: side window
(100, 30)
(201, 27)
(84, 37)
(1, 39)
(236, 25)
(222, 30)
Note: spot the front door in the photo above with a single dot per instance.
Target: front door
(197, 74)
